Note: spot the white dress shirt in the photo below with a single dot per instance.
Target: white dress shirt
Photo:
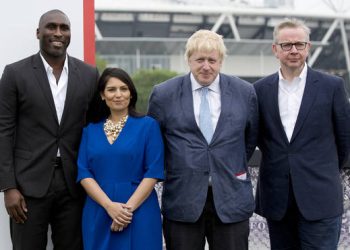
(58, 89)
(214, 99)
(290, 95)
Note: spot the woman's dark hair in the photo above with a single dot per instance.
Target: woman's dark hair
(98, 109)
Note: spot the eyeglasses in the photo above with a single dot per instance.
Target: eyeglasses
(289, 46)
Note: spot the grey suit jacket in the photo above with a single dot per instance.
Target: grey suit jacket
(189, 159)
(29, 130)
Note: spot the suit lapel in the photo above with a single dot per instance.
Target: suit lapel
(41, 75)
(186, 98)
(226, 105)
(73, 80)
(309, 95)
(275, 111)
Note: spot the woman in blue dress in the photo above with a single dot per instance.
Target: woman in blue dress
(120, 160)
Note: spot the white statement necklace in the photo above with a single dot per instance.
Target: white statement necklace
(112, 129)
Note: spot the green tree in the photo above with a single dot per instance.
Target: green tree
(144, 81)
(101, 64)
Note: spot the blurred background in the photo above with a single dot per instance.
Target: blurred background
(145, 36)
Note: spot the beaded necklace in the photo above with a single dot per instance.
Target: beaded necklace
(112, 129)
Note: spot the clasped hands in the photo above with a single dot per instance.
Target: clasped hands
(121, 215)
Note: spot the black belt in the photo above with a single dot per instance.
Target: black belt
(57, 163)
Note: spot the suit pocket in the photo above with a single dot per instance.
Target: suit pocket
(23, 154)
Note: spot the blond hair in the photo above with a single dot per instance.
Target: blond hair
(207, 41)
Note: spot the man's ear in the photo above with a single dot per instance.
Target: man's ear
(274, 50)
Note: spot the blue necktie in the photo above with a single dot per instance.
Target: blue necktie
(205, 123)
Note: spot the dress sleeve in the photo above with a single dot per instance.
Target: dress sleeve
(154, 160)
(83, 162)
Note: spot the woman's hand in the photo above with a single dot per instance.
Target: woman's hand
(120, 214)
(116, 227)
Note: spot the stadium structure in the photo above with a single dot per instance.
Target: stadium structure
(153, 35)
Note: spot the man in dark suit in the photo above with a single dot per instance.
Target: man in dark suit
(305, 140)
(209, 124)
(43, 101)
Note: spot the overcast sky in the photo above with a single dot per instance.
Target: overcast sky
(320, 5)
(302, 5)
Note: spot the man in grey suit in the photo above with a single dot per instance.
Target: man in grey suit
(43, 101)
(209, 125)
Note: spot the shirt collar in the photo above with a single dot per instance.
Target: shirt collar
(302, 75)
(214, 86)
(48, 68)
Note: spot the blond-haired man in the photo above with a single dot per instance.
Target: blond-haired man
(209, 125)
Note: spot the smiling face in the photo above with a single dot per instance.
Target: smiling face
(117, 96)
(54, 34)
(293, 59)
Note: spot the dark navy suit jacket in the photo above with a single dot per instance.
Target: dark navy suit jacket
(312, 159)
(189, 159)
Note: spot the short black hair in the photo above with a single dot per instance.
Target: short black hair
(51, 12)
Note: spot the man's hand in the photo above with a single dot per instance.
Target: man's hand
(15, 205)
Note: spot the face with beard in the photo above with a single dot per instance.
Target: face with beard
(54, 35)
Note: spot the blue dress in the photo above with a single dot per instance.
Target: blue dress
(118, 168)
